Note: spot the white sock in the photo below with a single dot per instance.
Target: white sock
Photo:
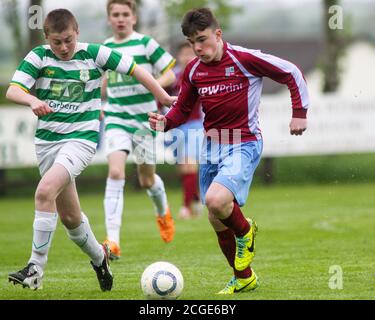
(113, 208)
(158, 196)
(84, 238)
(44, 228)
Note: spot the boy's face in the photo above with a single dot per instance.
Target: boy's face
(206, 44)
(122, 20)
(185, 55)
(63, 44)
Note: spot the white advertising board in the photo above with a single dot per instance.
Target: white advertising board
(335, 125)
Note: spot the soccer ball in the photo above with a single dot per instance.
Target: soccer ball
(162, 281)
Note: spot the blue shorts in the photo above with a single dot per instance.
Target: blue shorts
(231, 165)
(187, 141)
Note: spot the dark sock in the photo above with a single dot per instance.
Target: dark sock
(190, 188)
(227, 245)
(237, 222)
(243, 274)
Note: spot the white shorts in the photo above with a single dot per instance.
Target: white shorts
(75, 156)
(141, 143)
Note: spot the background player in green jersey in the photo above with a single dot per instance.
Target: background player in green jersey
(126, 122)
(67, 77)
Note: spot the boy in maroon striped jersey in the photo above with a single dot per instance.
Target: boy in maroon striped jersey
(228, 81)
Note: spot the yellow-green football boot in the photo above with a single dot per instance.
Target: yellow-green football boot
(236, 285)
(245, 247)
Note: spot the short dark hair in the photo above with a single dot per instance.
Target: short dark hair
(198, 20)
(130, 3)
(58, 21)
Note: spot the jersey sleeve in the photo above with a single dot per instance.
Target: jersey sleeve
(284, 72)
(110, 59)
(160, 59)
(187, 98)
(29, 70)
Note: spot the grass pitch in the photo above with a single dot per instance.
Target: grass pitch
(303, 232)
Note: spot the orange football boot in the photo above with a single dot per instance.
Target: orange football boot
(166, 226)
(115, 249)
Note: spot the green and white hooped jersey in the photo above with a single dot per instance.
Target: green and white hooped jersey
(71, 88)
(128, 100)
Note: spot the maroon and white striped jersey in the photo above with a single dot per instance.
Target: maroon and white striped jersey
(230, 90)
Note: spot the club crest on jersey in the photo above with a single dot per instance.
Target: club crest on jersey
(49, 72)
(84, 75)
(229, 71)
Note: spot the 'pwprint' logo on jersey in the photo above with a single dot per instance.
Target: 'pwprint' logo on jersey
(202, 74)
(219, 88)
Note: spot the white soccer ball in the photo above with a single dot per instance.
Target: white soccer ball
(162, 281)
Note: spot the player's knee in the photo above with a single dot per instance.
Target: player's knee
(214, 203)
(44, 193)
(116, 174)
(146, 182)
(212, 218)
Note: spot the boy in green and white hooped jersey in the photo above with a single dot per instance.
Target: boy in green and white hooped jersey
(126, 122)
(67, 78)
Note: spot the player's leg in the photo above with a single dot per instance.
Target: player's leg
(118, 144)
(220, 203)
(225, 236)
(224, 213)
(234, 178)
(44, 226)
(77, 224)
(189, 140)
(230, 228)
(226, 221)
(79, 231)
(114, 200)
(75, 157)
(145, 156)
(244, 280)
(191, 203)
(154, 186)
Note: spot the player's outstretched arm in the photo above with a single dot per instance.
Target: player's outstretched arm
(17, 95)
(297, 126)
(153, 86)
(167, 78)
(157, 121)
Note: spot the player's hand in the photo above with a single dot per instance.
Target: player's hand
(157, 121)
(40, 108)
(297, 126)
(169, 101)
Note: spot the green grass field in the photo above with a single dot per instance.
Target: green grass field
(304, 230)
